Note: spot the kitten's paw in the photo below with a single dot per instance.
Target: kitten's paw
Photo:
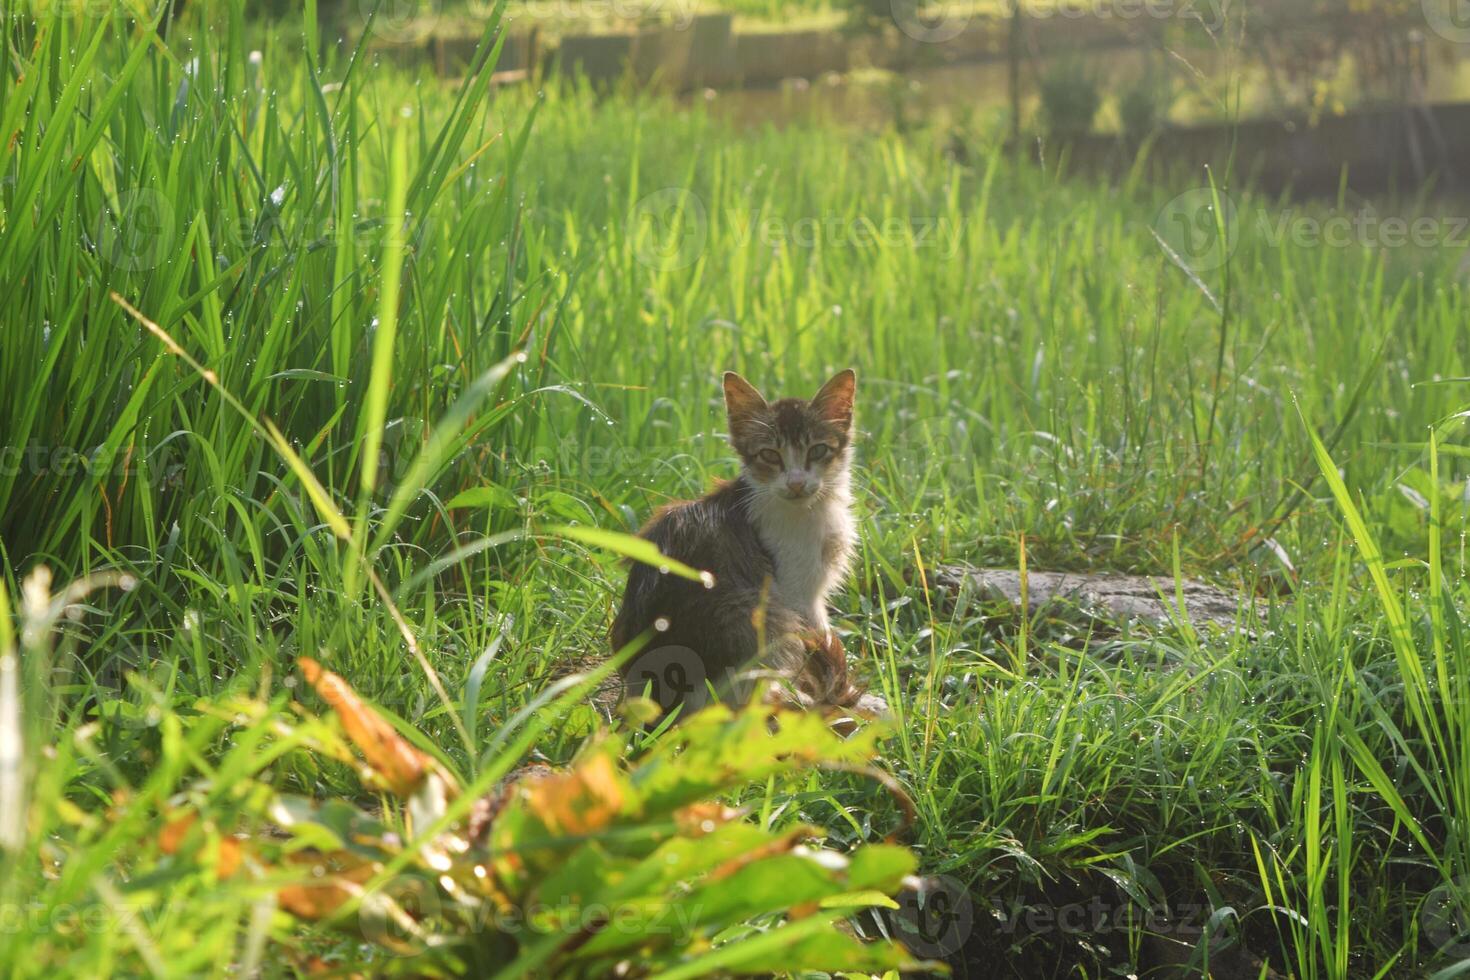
(868, 707)
(871, 706)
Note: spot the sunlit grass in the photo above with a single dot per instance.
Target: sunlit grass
(1032, 364)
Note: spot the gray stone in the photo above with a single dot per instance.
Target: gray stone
(1119, 599)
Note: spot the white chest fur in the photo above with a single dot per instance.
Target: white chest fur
(812, 546)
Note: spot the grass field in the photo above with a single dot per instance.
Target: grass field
(1053, 371)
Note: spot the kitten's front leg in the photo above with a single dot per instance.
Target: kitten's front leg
(788, 640)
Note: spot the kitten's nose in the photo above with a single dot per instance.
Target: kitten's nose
(796, 483)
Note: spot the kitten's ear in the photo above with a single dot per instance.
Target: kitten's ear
(742, 401)
(834, 402)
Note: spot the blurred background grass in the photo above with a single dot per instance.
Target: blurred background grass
(1045, 356)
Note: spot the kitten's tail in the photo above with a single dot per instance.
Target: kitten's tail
(827, 670)
(821, 683)
(821, 677)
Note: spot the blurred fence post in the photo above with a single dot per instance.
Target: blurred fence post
(1013, 73)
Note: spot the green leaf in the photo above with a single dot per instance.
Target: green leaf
(634, 547)
(491, 495)
(859, 900)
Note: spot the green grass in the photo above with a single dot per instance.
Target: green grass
(1033, 367)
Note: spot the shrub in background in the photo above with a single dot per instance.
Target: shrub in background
(1070, 98)
(1141, 109)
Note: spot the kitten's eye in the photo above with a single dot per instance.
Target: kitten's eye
(819, 451)
(771, 456)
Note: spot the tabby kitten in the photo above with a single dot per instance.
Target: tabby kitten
(777, 539)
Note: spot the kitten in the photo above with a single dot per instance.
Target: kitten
(778, 540)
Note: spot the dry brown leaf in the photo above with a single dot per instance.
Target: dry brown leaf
(397, 763)
(171, 840)
(230, 852)
(580, 801)
(698, 819)
(341, 875)
(173, 833)
(312, 902)
(314, 966)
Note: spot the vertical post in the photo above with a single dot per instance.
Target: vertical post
(1013, 75)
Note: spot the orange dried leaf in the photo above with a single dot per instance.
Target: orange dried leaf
(230, 852)
(399, 764)
(342, 876)
(171, 840)
(315, 966)
(698, 819)
(174, 831)
(580, 801)
(312, 902)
